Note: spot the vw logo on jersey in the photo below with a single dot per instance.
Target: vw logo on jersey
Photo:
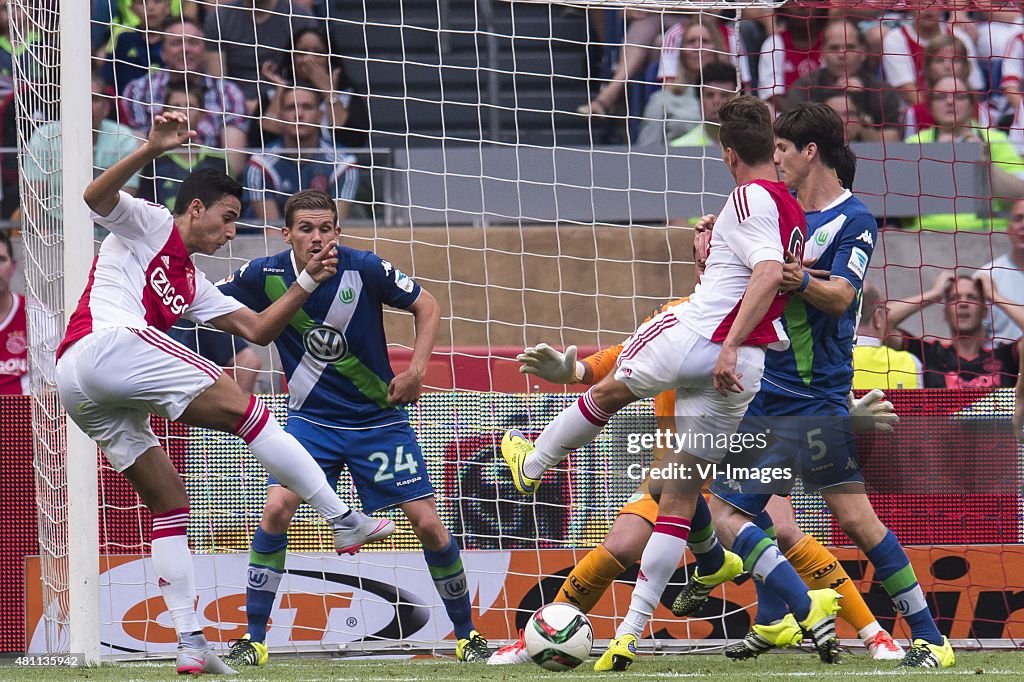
(325, 343)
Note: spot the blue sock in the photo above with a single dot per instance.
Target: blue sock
(763, 560)
(765, 523)
(450, 580)
(770, 606)
(894, 570)
(703, 542)
(266, 566)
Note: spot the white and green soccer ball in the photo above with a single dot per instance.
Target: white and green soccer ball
(558, 637)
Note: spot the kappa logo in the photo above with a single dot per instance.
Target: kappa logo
(865, 237)
(347, 295)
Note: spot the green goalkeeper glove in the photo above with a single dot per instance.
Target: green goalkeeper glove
(872, 413)
(551, 365)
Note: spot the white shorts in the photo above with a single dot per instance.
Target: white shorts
(664, 355)
(112, 380)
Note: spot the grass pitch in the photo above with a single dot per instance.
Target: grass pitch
(993, 665)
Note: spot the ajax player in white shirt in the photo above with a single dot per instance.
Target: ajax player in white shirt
(710, 350)
(116, 365)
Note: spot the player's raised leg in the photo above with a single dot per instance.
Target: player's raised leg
(574, 427)
(224, 406)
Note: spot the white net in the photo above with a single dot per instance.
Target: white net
(532, 165)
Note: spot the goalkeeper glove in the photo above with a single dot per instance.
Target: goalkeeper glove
(872, 413)
(547, 363)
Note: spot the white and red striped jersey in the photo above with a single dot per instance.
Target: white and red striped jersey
(760, 222)
(14, 350)
(143, 276)
(782, 64)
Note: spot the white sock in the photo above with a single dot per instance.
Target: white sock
(869, 632)
(172, 562)
(659, 561)
(287, 461)
(574, 427)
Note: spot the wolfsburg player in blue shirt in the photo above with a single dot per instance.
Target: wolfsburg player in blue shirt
(346, 406)
(807, 386)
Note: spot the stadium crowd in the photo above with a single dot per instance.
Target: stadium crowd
(921, 76)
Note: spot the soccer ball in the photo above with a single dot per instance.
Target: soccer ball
(558, 637)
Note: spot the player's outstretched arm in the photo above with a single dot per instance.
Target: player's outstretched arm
(263, 327)
(169, 131)
(765, 280)
(407, 386)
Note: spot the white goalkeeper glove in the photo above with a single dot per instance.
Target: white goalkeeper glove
(872, 413)
(547, 363)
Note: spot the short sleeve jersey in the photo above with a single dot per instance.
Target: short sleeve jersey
(334, 351)
(819, 362)
(143, 276)
(760, 222)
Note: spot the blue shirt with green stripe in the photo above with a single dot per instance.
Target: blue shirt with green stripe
(334, 351)
(819, 360)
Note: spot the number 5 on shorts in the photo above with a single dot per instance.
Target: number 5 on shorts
(818, 447)
(404, 461)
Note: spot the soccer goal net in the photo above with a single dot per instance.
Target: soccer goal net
(537, 167)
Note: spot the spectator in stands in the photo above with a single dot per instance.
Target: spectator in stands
(967, 358)
(876, 365)
(135, 42)
(8, 54)
(719, 80)
(945, 56)
(903, 53)
(302, 159)
(953, 107)
(643, 29)
(171, 169)
(846, 75)
(676, 109)
(791, 52)
(13, 327)
(232, 353)
(245, 34)
(310, 64)
(1007, 273)
(111, 142)
(183, 52)
(859, 126)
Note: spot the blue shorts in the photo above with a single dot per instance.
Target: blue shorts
(812, 437)
(386, 463)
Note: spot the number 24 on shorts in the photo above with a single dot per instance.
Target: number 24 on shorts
(403, 462)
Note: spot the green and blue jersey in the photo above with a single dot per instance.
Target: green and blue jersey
(334, 351)
(819, 361)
